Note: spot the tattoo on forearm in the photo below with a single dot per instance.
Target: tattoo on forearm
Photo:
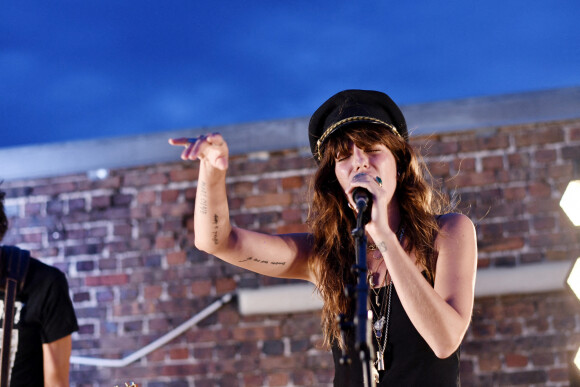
(264, 261)
(203, 198)
(382, 247)
(215, 228)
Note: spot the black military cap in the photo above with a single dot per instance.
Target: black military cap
(354, 106)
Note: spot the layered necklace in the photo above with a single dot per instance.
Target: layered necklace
(381, 314)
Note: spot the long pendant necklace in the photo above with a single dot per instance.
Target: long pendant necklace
(378, 326)
(382, 320)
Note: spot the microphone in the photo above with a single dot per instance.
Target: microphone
(363, 199)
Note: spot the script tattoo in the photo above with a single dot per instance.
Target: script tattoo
(215, 228)
(264, 261)
(203, 198)
(382, 247)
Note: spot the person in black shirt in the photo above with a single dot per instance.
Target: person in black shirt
(421, 256)
(44, 319)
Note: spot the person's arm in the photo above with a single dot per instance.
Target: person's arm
(273, 255)
(56, 358)
(441, 314)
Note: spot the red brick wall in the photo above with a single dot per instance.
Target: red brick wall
(126, 244)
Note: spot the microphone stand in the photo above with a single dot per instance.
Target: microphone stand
(363, 342)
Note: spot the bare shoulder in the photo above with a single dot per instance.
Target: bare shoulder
(456, 245)
(455, 230)
(454, 222)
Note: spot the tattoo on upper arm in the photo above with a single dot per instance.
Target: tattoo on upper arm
(203, 198)
(382, 247)
(263, 261)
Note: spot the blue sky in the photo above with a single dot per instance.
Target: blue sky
(73, 69)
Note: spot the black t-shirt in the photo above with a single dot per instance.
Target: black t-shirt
(43, 313)
(409, 361)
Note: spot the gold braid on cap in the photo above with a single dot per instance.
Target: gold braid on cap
(331, 128)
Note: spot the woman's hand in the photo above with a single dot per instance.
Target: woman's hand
(379, 195)
(211, 149)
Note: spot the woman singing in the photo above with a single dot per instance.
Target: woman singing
(421, 259)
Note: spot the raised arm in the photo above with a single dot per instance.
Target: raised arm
(283, 256)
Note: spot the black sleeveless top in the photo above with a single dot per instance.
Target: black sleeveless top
(409, 361)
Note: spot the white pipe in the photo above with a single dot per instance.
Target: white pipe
(117, 363)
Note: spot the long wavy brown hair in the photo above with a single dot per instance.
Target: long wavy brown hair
(332, 220)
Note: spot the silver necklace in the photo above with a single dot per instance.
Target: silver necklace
(383, 322)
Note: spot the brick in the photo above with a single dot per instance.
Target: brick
(184, 369)
(105, 295)
(85, 265)
(225, 285)
(55, 207)
(133, 326)
(255, 333)
(545, 156)
(491, 163)
(164, 242)
(464, 165)
(483, 330)
(559, 374)
(273, 347)
(516, 227)
(81, 297)
(279, 379)
(146, 197)
(489, 362)
(475, 179)
(179, 175)
(86, 329)
(32, 209)
(122, 230)
(55, 188)
(515, 360)
(152, 292)
(292, 215)
(439, 169)
(518, 160)
(266, 200)
(542, 359)
(254, 380)
(203, 353)
(570, 152)
(178, 353)
(241, 188)
(107, 280)
(176, 258)
(540, 136)
(304, 377)
(169, 196)
(540, 189)
(268, 185)
(575, 134)
(505, 244)
(122, 200)
(100, 201)
(292, 182)
(515, 193)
